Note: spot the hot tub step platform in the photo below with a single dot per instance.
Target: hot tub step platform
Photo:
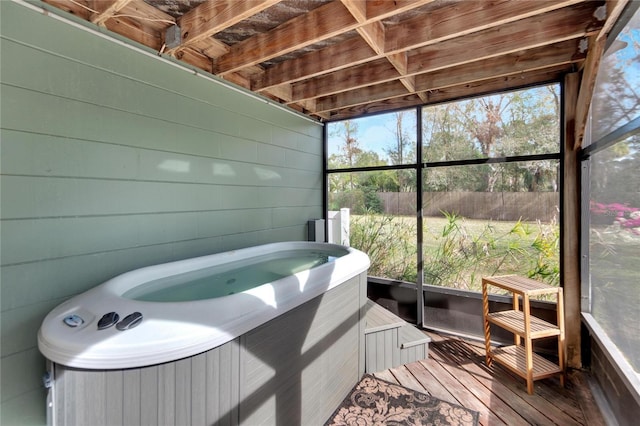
(390, 341)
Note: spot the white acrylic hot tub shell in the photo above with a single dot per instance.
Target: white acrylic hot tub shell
(175, 330)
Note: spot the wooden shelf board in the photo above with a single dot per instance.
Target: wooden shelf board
(520, 285)
(514, 358)
(514, 322)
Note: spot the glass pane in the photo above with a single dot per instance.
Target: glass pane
(616, 98)
(509, 124)
(614, 244)
(381, 140)
(491, 219)
(382, 219)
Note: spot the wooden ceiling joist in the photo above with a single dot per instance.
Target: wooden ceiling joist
(451, 53)
(552, 27)
(212, 17)
(464, 18)
(353, 51)
(106, 10)
(319, 24)
(505, 66)
(474, 19)
(565, 52)
(332, 58)
(451, 93)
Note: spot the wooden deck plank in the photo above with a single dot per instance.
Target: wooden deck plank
(474, 363)
(429, 382)
(585, 398)
(407, 379)
(558, 412)
(460, 391)
(386, 375)
(497, 406)
(455, 371)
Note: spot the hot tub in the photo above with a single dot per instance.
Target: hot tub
(234, 330)
(192, 305)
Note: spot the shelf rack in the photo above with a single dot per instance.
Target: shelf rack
(519, 321)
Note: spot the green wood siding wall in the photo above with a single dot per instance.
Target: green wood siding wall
(114, 160)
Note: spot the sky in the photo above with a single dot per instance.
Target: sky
(375, 133)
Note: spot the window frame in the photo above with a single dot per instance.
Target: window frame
(420, 166)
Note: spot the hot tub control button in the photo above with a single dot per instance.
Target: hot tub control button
(73, 320)
(108, 320)
(129, 321)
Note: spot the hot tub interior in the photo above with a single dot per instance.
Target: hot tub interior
(233, 277)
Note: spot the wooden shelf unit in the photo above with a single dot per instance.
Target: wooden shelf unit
(519, 321)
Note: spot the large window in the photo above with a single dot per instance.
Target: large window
(613, 198)
(373, 160)
(491, 188)
(491, 220)
(482, 172)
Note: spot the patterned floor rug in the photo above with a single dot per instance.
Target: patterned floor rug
(377, 402)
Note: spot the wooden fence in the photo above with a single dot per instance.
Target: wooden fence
(511, 206)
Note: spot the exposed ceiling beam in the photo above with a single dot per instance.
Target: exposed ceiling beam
(512, 65)
(337, 56)
(510, 38)
(319, 24)
(464, 18)
(212, 17)
(353, 51)
(451, 93)
(439, 25)
(374, 35)
(127, 27)
(106, 9)
(552, 27)
(565, 52)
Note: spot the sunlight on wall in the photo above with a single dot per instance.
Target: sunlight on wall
(177, 166)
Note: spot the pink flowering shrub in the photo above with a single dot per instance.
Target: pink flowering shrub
(625, 216)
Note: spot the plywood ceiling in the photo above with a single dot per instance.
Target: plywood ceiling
(334, 59)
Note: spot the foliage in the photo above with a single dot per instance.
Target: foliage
(459, 252)
(372, 203)
(389, 242)
(463, 255)
(352, 199)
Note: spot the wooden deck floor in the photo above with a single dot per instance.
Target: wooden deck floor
(455, 371)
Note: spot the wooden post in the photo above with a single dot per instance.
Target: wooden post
(485, 316)
(571, 224)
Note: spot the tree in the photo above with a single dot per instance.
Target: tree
(616, 100)
(445, 139)
(404, 149)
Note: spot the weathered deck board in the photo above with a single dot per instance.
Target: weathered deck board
(548, 393)
(458, 386)
(483, 393)
(455, 371)
(465, 359)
